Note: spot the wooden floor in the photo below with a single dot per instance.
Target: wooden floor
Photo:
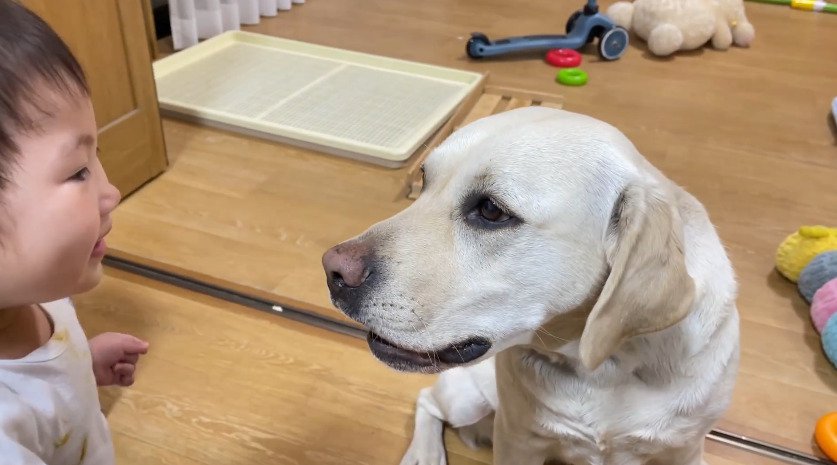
(228, 385)
(747, 131)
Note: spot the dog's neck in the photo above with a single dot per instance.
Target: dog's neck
(556, 345)
(560, 330)
(565, 327)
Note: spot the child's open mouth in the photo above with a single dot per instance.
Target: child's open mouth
(99, 248)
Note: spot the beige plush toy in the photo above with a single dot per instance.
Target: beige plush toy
(672, 25)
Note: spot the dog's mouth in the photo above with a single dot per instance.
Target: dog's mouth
(430, 361)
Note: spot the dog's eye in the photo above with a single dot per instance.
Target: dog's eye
(491, 212)
(482, 212)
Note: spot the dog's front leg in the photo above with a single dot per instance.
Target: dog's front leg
(458, 398)
(514, 447)
(427, 446)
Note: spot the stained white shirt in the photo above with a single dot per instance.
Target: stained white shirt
(49, 405)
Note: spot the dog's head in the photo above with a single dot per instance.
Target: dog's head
(524, 216)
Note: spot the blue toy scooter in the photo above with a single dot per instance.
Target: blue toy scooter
(582, 27)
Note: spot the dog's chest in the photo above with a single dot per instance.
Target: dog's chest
(592, 421)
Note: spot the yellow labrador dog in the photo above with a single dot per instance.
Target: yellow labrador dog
(578, 304)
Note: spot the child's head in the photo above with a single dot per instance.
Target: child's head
(55, 199)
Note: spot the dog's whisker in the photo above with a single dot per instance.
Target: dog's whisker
(539, 337)
(554, 336)
(459, 353)
(426, 335)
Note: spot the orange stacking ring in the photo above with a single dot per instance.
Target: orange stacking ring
(826, 435)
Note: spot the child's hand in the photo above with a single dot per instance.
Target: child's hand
(115, 357)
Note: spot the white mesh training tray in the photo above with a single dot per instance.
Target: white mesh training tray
(345, 103)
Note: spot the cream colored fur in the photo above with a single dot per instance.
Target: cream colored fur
(610, 304)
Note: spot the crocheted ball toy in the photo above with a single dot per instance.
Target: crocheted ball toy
(829, 340)
(824, 305)
(820, 270)
(798, 249)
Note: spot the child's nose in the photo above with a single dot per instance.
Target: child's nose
(110, 198)
(109, 195)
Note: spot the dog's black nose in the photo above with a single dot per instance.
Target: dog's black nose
(345, 265)
(348, 269)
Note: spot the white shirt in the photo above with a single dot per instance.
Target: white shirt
(49, 405)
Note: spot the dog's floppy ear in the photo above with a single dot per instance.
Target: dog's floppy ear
(648, 288)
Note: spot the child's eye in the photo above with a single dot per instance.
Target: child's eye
(80, 175)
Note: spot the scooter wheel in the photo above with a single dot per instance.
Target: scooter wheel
(613, 43)
(476, 44)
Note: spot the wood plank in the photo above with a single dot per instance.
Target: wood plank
(552, 105)
(452, 123)
(486, 106)
(523, 94)
(515, 103)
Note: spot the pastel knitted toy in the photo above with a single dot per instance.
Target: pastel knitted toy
(829, 340)
(798, 249)
(824, 305)
(820, 270)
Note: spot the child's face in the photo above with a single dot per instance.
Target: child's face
(56, 209)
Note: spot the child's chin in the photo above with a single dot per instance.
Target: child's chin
(91, 278)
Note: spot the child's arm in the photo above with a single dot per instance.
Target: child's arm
(18, 431)
(115, 356)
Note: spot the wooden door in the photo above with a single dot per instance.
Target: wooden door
(110, 40)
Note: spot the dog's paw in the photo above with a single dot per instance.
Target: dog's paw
(426, 454)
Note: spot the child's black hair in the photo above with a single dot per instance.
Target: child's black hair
(31, 55)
